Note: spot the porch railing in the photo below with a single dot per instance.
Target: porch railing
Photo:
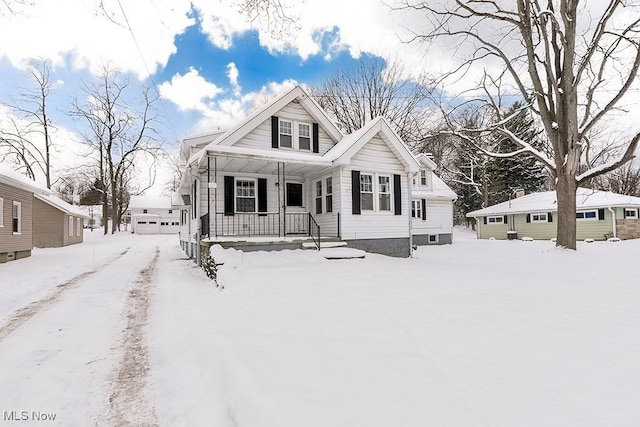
(314, 231)
(249, 224)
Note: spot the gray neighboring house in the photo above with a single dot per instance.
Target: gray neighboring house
(599, 215)
(56, 223)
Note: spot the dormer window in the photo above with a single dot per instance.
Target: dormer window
(286, 134)
(423, 177)
(304, 136)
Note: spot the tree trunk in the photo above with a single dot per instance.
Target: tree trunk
(566, 196)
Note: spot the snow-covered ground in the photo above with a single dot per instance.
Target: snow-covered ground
(481, 333)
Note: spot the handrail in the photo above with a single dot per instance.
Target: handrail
(313, 226)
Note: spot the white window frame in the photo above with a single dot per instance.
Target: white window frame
(497, 220)
(301, 205)
(629, 213)
(539, 217)
(416, 209)
(328, 194)
(17, 207)
(299, 135)
(78, 226)
(70, 226)
(289, 134)
(254, 197)
(1, 212)
(388, 193)
(317, 197)
(423, 177)
(372, 192)
(584, 215)
(433, 238)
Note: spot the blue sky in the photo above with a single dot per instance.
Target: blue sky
(209, 62)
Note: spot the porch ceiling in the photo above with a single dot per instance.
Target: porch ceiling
(264, 166)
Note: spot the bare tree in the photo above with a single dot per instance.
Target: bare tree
(29, 142)
(572, 65)
(118, 132)
(372, 88)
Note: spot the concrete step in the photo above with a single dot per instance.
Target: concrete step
(312, 245)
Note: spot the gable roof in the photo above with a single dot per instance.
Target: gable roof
(150, 202)
(61, 205)
(343, 151)
(427, 161)
(586, 198)
(15, 179)
(245, 126)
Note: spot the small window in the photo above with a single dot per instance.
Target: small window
(70, 226)
(142, 222)
(587, 215)
(170, 211)
(152, 222)
(304, 136)
(245, 195)
(16, 222)
(78, 226)
(145, 210)
(416, 209)
(539, 217)
(1, 212)
(286, 135)
(423, 177)
(294, 194)
(175, 223)
(495, 220)
(329, 195)
(433, 238)
(628, 213)
(318, 190)
(384, 193)
(366, 192)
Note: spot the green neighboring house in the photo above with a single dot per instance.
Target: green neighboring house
(599, 215)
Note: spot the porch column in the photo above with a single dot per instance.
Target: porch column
(282, 203)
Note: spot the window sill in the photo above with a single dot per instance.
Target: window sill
(17, 234)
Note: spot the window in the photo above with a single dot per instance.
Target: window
(384, 193)
(170, 211)
(628, 213)
(1, 212)
(539, 217)
(142, 222)
(416, 209)
(433, 238)
(423, 177)
(587, 215)
(495, 220)
(145, 210)
(329, 195)
(16, 222)
(366, 192)
(318, 192)
(78, 226)
(245, 195)
(153, 222)
(304, 136)
(286, 135)
(294, 194)
(175, 223)
(70, 226)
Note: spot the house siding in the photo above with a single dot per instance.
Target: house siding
(50, 225)
(439, 219)
(163, 216)
(328, 222)
(10, 242)
(260, 137)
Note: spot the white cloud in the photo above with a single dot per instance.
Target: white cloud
(232, 74)
(189, 91)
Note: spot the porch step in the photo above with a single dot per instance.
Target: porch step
(342, 253)
(312, 245)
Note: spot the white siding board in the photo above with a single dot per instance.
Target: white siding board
(439, 218)
(376, 156)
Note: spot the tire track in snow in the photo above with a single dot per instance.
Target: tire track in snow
(128, 405)
(22, 315)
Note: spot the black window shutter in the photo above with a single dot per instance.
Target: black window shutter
(355, 192)
(528, 218)
(624, 213)
(485, 219)
(600, 214)
(229, 182)
(505, 219)
(549, 217)
(315, 136)
(424, 209)
(262, 194)
(397, 195)
(275, 131)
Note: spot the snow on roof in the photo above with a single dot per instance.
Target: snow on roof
(277, 155)
(60, 204)
(586, 198)
(16, 179)
(439, 190)
(150, 202)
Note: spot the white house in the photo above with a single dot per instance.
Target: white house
(288, 171)
(153, 215)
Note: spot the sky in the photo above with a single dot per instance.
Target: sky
(208, 62)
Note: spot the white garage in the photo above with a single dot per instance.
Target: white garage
(145, 224)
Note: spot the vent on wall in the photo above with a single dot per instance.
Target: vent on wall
(11, 256)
